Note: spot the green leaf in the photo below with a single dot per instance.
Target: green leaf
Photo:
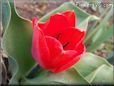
(68, 77)
(102, 75)
(6, 13)
(13, 68)
(101, 37)
(95, 69)
(110, 58)
(100, 32)
(89, 63)
(81, 15)
(84, 25)
(17, 40)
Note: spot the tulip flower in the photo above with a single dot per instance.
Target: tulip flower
(57, 44)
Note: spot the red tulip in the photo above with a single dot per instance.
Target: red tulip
(57, 44)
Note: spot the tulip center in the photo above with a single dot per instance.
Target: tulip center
(58, 36)
(65, 44)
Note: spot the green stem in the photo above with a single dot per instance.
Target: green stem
(35, 71)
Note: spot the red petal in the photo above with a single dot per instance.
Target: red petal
(71, 17)
(71, 37)
(34, 22)
(40, 49)
(68, 58)
(43, 25)
(80, 48)
(54, 46)
(65, 60)
(56, 24)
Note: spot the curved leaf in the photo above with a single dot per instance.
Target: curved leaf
(13, 68)
(6, 13)
(110, 58)
(84, 25)
(90, 67)
(102, 35)
(102, 75)
(81, 15)
(101, 31)
(90, 62)
(68, 77)
(17, 40)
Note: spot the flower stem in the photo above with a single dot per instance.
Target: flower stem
(35, 71)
